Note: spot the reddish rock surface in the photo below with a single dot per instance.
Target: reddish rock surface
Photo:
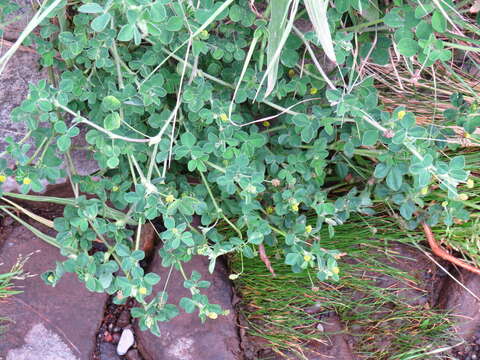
(337, 344)
(462, 305)
(185, 337)
(68, 311)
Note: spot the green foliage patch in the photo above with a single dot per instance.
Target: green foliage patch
(177, 116)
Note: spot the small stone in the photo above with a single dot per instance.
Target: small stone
(133, 355)
(107, 336)
(315, 308)
(123, 319)
(474, 357)
(126, 342)
(116, 337)
(107, 351)
(320, 328)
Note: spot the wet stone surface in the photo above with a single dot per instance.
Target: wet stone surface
(67, 315)
(463, 306)
(23, 69)
(185, 337)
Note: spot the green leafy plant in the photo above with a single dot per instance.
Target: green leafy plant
(172, 98)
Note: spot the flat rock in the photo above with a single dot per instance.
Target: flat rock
(108, 351)
(185, 337)
(425, 275)
(336, 345)
(461, 304)
(16, 21)
(21, 70)
(69, 313)
(41, 343)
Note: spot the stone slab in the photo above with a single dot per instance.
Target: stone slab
(185, 337)
(68, 311)
(461, 304)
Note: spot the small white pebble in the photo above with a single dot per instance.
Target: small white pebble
(320, 328)
(126, 342)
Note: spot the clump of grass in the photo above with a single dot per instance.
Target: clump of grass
(7, 288)
(383, 324)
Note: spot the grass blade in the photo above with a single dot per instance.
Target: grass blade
(317, 11)
(278, 30)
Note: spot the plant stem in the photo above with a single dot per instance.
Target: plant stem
(216, 167)
(217, 208)
(22, 140)
(361, 26)
(48, 239)
(108, 211)
(98, 127)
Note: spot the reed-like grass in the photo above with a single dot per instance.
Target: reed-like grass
(7, 288)
(383, 324)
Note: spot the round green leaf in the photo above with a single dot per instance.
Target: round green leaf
(175, 23)
(113, 162)
(112, 121)
(126, 33)
(110, 103)
(63, 143)
(439, 23)
(91, 8)
(100, 22)
(407, 47)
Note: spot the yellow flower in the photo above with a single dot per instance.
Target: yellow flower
(424, 190)
(142, 290)
(308, 229)
(50, 278)
(224, 117)
(335, 270)
(401, 114)
(470, 183)
(294, 206)
(462, 197)
(169, 198)
(266, 123)
(212, 315)
(445, 203)
(115, 188)
(270, 210)
(233, 276)
(2, 178)
(27, 181)
(204, 34)
(313, 91)
(291, 73)
(307, 257)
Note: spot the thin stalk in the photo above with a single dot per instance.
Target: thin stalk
(98, 127)
(108, 211)
(361, 26)
(35, 217)
(217, 208)
(48, 239)
(22, 140)
(216, 167)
